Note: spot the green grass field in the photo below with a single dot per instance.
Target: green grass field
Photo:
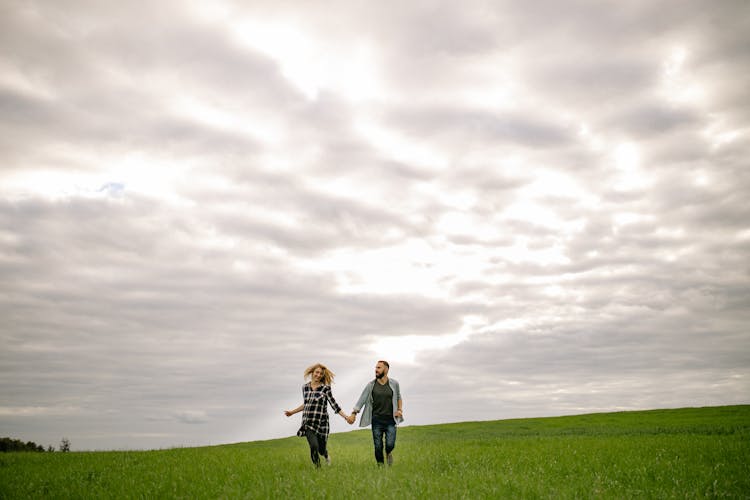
(693, 452)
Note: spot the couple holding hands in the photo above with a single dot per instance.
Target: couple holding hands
(381, 399)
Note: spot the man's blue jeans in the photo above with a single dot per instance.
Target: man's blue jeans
(383, 426)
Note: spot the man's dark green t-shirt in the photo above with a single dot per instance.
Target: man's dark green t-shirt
(382, 400)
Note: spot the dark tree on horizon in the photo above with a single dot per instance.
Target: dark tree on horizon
(65, 445)
(7, 445)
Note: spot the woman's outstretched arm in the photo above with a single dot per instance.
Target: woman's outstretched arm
(289, 413)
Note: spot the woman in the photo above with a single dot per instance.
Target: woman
(316, 395)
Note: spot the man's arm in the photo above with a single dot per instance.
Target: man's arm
(361, 401)
(399, 411)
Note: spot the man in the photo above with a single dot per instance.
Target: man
(383, 408)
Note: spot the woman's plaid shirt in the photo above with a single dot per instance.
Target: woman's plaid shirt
(315, 410)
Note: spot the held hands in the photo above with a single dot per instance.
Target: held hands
(351, 418)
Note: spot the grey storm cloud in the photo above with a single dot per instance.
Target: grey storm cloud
(541, 206)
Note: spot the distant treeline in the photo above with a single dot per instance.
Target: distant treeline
(8, 444)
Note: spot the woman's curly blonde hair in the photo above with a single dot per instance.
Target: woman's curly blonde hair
(327, 374)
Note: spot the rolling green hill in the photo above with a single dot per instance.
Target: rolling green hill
(692, 452)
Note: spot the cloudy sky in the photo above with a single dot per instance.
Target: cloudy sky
(530, 208)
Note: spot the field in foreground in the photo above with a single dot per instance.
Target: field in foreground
(692, 452)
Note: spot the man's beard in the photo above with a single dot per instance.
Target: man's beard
(380, 375)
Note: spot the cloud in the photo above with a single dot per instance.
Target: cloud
(197, 204)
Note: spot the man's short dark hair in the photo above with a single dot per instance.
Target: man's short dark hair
(385, 363)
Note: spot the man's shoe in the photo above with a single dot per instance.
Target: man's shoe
(389, 458)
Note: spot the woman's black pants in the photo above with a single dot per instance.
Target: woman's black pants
(317, 444)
